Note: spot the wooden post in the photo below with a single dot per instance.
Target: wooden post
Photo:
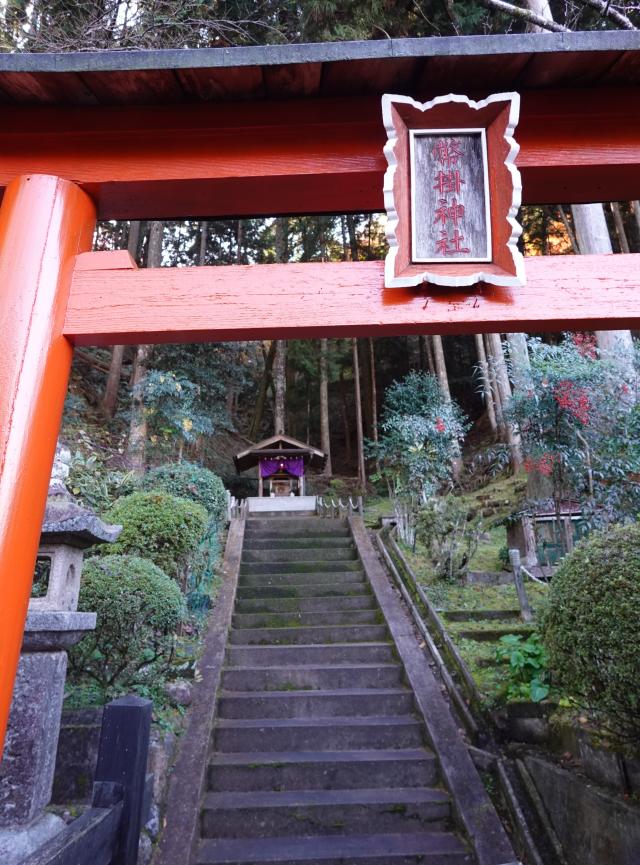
(523, 600)
(122, 760)
(44, 222)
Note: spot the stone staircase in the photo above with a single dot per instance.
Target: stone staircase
(318, 752)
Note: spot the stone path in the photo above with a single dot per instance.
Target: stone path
(318, 751)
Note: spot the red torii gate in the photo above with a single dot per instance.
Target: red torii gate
(265, 131)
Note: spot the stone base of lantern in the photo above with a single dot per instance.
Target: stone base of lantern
(27, 769)
(19, 843)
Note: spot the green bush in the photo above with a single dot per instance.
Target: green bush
(139, 608)
(158, 526)
(190, 481)
(590, 628)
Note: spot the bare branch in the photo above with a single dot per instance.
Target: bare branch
(607, 11)
(525, 15)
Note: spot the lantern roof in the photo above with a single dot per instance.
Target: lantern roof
(424, 66)
(279, 446)
(67, 522)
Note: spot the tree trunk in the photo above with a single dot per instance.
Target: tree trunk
(374, 391)
(280, 386)
(520, 363)
(542, 9)
(137, 440)
(619, 224)
(202, 247)
(443, 380)
(440, 366)
(430, 359)
(486, 383)
(362, 476)
(110, 396)
(240, 241)
(345, 417)
(422, 351)
(504, 388)
(353, 240)
(495, 392)
(280, 359)
(261, 400)
(593, 238)
(325, 431)
(636, 212)
(522, 384)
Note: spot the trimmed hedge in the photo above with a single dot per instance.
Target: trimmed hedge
(139, 608)
(157, 526)
(590, 628)
(189, 481)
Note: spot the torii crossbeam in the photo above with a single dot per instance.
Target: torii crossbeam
(265, 131)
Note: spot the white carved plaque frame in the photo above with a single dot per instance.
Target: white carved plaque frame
(453, 273)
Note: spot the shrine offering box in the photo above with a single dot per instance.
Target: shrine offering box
(452, 191)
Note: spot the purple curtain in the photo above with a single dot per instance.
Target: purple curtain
(293, 465)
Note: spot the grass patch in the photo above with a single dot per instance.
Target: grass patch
(376, 507)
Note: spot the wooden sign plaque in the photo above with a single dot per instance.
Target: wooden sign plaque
(452, 191)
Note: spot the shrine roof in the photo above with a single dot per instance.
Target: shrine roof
(279, 445)
(475, 64)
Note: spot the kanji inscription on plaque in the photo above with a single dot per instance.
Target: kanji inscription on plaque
(450, 217)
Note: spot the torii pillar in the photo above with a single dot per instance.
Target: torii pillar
(44, 222)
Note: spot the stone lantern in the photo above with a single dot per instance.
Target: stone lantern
(53, 626)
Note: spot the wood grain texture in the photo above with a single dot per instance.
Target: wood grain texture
(286, 301)
(297, 156)
(459, 204)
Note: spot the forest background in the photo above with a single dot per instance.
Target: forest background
(136, 406)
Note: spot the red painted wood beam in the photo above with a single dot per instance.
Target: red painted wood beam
(44, 222)
(301, 156)
(113, 302)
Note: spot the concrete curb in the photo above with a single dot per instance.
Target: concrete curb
(187, 781)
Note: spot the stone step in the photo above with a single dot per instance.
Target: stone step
(322, 770)
(280, 542)
(493, 635)
(299, 579)
(308, 635)
(292, 619)
(316, 704)
(279, 513)
(331, 588)
(479, 615)
(415, 848)
(319, 655)
(306, 605)
(307, 734)
(297, 555)
(312, 678)
(263, 814)
(296, 526)
(301, 566)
